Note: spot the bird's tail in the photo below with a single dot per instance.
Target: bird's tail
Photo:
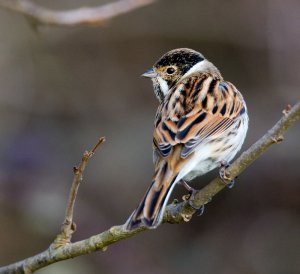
(151, 209)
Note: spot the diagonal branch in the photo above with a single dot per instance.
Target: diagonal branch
(183, 211)
(91, 16)
(175, 213)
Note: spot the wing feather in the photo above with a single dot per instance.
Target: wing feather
(193, 117)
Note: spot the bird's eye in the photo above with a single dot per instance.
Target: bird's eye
(170, 70)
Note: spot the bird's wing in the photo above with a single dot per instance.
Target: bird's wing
(197, 111)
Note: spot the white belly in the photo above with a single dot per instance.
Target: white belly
(209, 155)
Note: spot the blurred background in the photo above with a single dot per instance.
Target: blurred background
(63, 88)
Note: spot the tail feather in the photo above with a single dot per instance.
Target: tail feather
(151, 209)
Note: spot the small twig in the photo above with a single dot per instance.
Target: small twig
(69, 227)
(100, 142)
(92, 16)
(175, 213)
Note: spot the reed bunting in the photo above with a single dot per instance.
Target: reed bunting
(201, 122)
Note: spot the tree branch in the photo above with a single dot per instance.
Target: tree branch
(92, 16)
(69, 227)
(175, 213)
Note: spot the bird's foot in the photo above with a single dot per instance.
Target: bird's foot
(190, 189)
(199, 210)
(189, 197)
(229, 182)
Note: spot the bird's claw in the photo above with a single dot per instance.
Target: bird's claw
(189, 198)
(188, 187)
(224, 177)
(199, 210)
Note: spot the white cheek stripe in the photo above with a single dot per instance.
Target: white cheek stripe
(163, 85)
(199, 67)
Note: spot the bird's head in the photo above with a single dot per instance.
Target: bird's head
(176, 65)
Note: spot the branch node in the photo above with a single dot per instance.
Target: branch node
(277, 139)
(73, 227)
(75, 170)
(86, 155)
(66, 222)
(287, 110)
(104, 248)
(186, 217)
(59, 242)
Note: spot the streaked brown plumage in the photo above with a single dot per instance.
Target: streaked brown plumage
(201, 121)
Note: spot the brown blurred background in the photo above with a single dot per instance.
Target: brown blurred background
(62, 88)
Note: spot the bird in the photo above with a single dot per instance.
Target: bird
(201, 123)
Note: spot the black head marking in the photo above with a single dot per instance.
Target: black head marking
(170, 68)
(182, 58)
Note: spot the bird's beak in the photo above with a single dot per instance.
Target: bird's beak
(150, 73)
